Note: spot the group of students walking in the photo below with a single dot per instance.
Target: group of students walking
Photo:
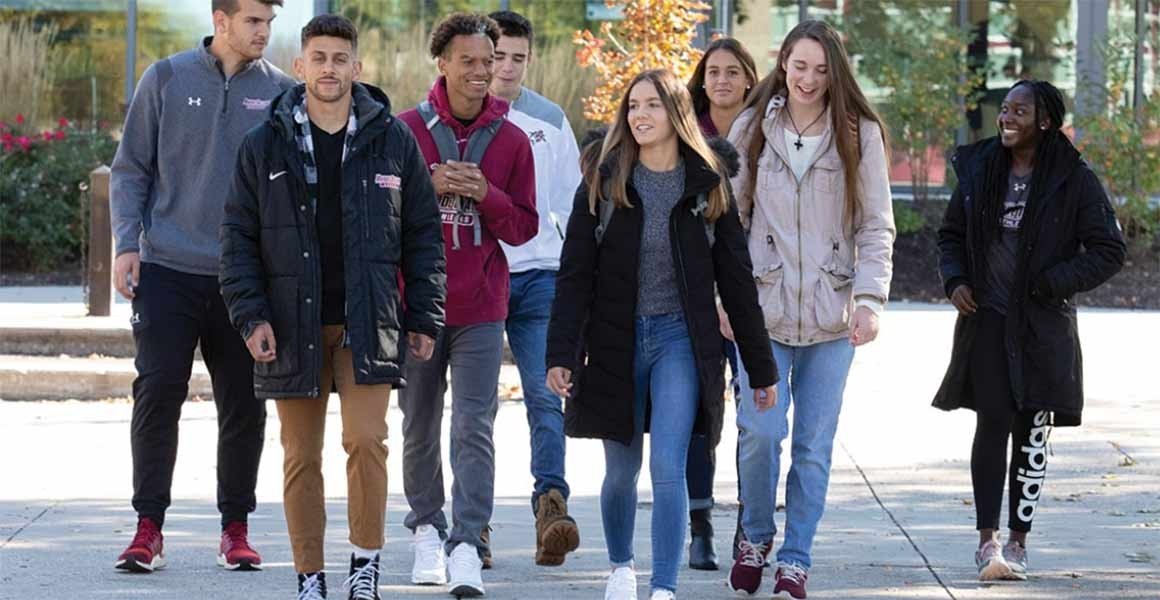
(310, 241)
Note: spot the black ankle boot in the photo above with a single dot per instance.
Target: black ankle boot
(702, 552)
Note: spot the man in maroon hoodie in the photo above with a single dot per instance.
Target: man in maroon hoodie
(483, 172)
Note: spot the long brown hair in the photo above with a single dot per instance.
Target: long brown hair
(697, 81)
(847, 106)
(620, 145)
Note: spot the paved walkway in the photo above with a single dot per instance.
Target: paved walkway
(899, 522)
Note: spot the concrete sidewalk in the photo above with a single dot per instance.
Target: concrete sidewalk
(899, 523)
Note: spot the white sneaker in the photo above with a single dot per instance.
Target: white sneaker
(430, 566)
(465, 569)
(663, 595)
(621, 584)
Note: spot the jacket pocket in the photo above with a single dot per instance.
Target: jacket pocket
(832, 298)
(384, 298)
(1052, 374)
(285, 307)
(828, 174)
(770, 291)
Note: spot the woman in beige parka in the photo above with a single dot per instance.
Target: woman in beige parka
(814, 195)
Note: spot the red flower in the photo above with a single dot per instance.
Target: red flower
(47, 135)
(7, 146)
(60, 135)
(20, 119)
(3, 126)
(7, 138)
(62, 123)
(24, 142)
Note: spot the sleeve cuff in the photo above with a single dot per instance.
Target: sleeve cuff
(875, 305)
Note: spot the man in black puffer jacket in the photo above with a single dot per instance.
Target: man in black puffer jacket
(331, 211)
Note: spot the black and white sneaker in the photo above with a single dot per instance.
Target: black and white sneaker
(312, 586)
(363, 583)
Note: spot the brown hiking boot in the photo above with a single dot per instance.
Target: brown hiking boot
(556, 532)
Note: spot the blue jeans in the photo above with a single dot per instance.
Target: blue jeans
(813, 379)
(664, 371)
(529, 308)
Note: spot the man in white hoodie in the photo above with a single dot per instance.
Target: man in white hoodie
(533, 280)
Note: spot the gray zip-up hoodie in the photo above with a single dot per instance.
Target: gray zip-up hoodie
(178, 153)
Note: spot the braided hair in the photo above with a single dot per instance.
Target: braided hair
(1049, 107)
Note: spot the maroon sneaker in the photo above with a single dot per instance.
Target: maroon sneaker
(146, 553)
(236, 553)
(791, 582)
(745, 576)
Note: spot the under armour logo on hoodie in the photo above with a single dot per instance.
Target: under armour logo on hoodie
(194, 101)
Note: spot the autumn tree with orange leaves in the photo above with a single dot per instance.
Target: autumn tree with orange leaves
(655, 34)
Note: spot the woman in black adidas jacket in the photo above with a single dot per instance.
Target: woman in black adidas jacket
(1011, 263)
(627, 366)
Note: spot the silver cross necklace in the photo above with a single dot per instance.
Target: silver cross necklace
(798, 144)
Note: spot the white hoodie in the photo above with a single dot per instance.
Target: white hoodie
(557, 176)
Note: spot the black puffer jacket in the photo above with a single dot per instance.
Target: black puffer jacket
(591, 331)
(1068, 212)
(270, 269)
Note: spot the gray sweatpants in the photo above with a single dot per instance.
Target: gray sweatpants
(474, 354)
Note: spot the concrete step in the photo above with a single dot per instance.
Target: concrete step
(41, 339)
(67, 377)
(100, 378)
(51, 321)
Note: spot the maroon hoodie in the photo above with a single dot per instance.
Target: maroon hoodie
(477, 276)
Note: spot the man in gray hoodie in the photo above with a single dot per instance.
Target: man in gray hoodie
(168, 190)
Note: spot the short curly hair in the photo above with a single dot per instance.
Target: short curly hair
(462, 24)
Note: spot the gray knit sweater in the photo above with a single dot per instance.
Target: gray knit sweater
(657, 278)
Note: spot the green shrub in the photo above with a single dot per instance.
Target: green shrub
(43, 218)
(1121, 142)
(907, 220)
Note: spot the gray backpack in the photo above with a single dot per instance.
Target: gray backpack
(449, 150)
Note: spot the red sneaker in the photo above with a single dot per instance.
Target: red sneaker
(236, 553)
(745, 576)
(791, 582)
(145, 553)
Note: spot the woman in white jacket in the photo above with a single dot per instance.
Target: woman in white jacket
(814, 195)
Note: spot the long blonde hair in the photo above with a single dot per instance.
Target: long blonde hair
(847, 105)
(620, 144)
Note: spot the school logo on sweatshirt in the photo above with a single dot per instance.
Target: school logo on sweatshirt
(255, 104)
(537, 136)
(458, 210)
(388, 182)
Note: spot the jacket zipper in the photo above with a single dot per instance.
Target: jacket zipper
(225, 96)
(315, 287)
(674, 241)
(801, 263)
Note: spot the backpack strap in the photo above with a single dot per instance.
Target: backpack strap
(480, 139)
(444, 137)
(699, 209)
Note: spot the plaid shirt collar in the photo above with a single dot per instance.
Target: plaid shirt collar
(305, 139)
